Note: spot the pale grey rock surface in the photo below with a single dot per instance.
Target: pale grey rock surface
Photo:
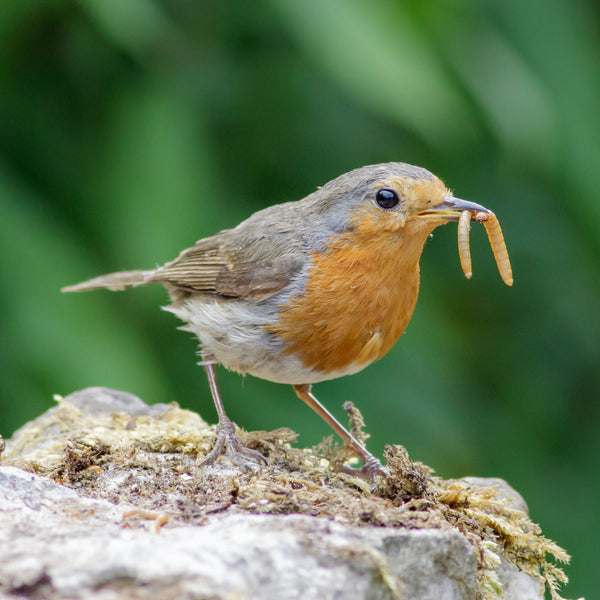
(92, 401)
(57, 543)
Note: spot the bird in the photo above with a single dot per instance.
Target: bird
(306, 291)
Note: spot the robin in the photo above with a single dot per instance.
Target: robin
(306, 291)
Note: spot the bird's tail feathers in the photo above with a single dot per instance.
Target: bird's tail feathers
(113, 281)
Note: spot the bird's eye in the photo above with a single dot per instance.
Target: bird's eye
(387, 198)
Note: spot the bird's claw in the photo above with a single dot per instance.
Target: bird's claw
(228, 443)
(370, 469)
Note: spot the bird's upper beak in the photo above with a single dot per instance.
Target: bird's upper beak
(451, 208)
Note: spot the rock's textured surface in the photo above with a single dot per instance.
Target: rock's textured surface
(60, 542)
(54, 543)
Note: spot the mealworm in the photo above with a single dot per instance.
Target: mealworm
(494, 232)
(464, 251)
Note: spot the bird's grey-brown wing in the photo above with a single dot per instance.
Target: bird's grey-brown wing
(234, 264)
(255, 260)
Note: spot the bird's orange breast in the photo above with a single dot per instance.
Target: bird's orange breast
(360, 296)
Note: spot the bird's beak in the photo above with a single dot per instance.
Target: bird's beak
(451, 208)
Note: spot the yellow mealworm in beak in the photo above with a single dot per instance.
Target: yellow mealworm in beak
(494, 232)
(464, 252)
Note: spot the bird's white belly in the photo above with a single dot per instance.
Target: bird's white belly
(232, 331)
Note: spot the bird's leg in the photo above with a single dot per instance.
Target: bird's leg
(371, 465)
(227, 441)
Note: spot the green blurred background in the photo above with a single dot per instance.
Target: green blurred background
(128, 130)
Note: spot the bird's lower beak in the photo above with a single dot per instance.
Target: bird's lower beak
(451, 208)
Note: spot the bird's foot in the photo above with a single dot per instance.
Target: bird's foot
(228, 443)
(370, 469)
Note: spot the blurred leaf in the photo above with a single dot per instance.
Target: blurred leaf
(521, 112)
(52, 339)
(134, 25)
(377, 53)
(561, 40)
(156, 184)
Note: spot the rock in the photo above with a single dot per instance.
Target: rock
(55, 543)
(171, 530)
(506, 491)
(104, 401)
(43, 432)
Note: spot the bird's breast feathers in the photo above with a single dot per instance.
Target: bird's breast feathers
(359, 297)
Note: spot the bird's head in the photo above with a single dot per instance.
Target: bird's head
(389, 210)
(392, 198)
